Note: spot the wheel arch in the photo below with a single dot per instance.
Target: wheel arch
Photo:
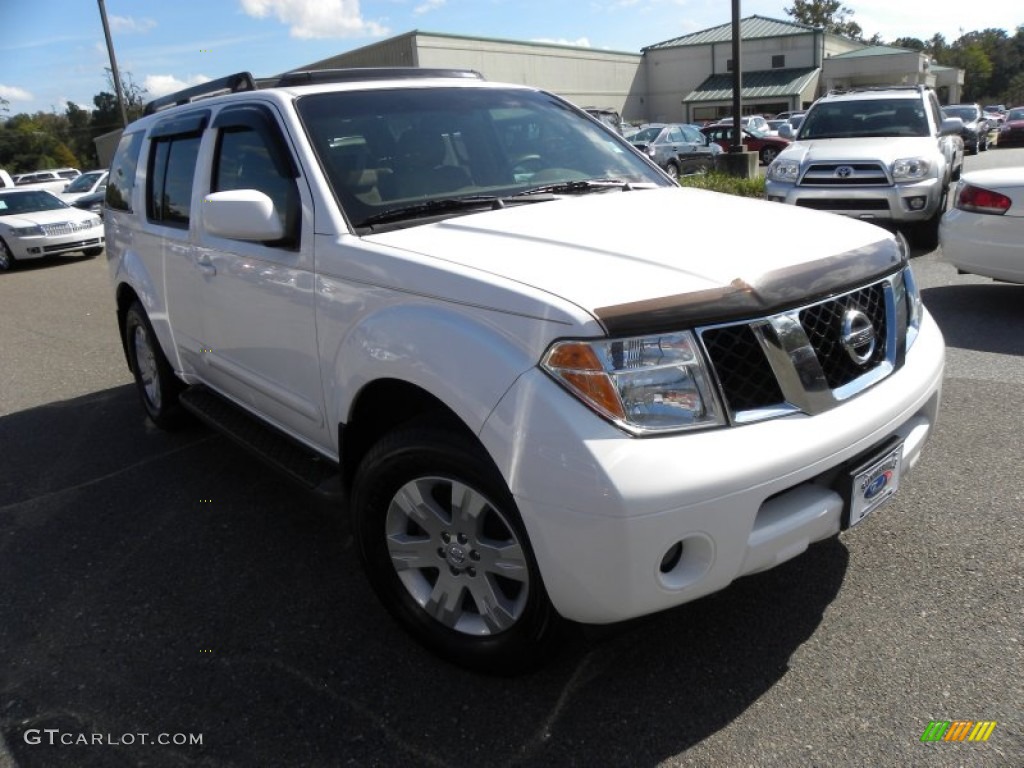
(384, 405)
(411, 361)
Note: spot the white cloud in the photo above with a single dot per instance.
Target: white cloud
(128, 25)
(161, 85)
(14, 93)
(317, 18)
(428, 6)
(579, 42)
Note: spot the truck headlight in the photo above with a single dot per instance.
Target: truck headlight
(911, 169)
(646, 384)
(784, 170)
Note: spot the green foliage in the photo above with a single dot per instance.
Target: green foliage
(51, 139)
(723, 182)
(831, 15)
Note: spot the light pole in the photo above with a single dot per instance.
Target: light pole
(113, 65)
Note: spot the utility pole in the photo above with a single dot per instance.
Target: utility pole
(113, 64)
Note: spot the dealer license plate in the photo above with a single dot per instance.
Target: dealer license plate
(873, 484)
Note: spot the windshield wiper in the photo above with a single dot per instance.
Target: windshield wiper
(581, 187)
(431, 207)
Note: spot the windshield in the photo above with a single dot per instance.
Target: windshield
(15, 203)
(646, 136)
(386, 151)
(870, 117)
(84, 182)
(967, 114)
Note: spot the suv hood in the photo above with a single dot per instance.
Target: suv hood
(651, 259)
(886, 149)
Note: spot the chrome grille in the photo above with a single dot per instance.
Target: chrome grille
(66, 228)
(809, 358)
(845, 175)
(821, 322)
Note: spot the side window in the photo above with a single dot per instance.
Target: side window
(692, 135)
(121, 180)
(245, 161)
(675, 135)
(169, 184)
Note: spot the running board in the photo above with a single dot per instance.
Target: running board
(299, 463)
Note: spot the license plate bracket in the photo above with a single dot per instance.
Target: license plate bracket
(871, 483)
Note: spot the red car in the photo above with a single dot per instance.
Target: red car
(1012, 129)
(767, 147)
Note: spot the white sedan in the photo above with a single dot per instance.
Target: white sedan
(35, 223)
(984, 233)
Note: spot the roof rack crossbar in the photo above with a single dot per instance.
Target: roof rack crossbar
(240, 81)
(357, 74)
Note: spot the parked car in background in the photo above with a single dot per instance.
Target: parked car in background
(87, 183)
(608, 116)
(35, 223)
(679, 149)
(54, 180)
(767, 147)
(885, 155)
(1012, 129)
(773, 126)
(93, 202)
(976, 126)
(757, 122)
(983, 232)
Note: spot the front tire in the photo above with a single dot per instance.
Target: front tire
(155, 381)
(7, 261)
(672, 169)
(768, 154)
(926, 233)
(445, 549)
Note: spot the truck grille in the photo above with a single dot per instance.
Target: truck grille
(845, 175)
(810, 358)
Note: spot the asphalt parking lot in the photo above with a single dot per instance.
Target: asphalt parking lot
(166, 585)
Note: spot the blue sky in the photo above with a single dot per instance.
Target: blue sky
(53, 51)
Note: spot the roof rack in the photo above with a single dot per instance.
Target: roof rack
(919, 87)
(240, 81)
(357, 74)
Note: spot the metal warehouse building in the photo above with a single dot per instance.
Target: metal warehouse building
(786, 65)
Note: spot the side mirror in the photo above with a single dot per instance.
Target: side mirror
(241, 214)
(951, 126)
(786, 131)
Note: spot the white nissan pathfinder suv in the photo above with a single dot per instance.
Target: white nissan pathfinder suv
(466, 310)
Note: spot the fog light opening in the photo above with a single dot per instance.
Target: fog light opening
(917, 203)
(672, 557)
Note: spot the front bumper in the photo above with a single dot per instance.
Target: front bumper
(603, 509)
(904, 203)
(39, 246)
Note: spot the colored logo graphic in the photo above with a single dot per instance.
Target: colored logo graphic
(958, 730)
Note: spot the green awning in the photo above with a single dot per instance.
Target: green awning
(763, 84)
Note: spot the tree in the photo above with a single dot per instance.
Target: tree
(911, 43)
(831, 15)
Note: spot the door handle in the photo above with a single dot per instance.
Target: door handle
(205, 265)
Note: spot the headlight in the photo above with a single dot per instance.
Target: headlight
(645, 384)
(784, 170)
(911, 169)
(911, 293)
(34, 231)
